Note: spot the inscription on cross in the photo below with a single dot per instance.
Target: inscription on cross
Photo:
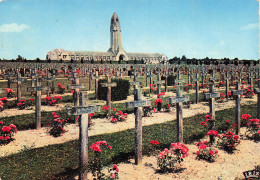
(236, 93)
(179, 99)
(83, 110)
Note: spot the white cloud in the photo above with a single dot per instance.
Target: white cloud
(250, 26)
(13, 27)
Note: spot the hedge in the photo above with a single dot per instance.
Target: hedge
(120, 92)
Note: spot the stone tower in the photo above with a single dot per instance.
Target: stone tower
(115, 38)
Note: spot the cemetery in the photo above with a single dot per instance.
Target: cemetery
(128, 121)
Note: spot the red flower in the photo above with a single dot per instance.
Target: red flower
(211, 152)
(20, 104)
(227, 121)
(106, 108)
(31, 99)
(109, 147)
(198, 152)
(22, 101)
(1, 137)
(154, 142)
(115, 168)
(203, 124)
(114, 109)
(1, 122)
(7, 137)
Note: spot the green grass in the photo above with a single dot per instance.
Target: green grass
(59, 161)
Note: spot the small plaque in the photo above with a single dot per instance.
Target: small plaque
(212, 95)
(83, 110)
(2, 91)
(150, 76)
(179, 99)
(136, 83)
(19, 80)
(71, 78)
(237, 92)
(74, 86)
(196, 79)
(108, 85)
(159, 82)
(141, 103)
(29, 89)
(178, 81)
(257, 90)
(49, 79)
(96, 77)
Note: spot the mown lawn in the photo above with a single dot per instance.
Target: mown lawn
(60, 161)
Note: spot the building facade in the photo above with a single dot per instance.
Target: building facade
(116, 51)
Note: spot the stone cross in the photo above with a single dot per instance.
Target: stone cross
(108, 85)
(137, 104)
(38, 96)
(257, 91)
(179, 99)
(19, 81)
(82, 111)
(211, 96)
(236, 93)
(251, 78)
(75, 86)
(96, 77)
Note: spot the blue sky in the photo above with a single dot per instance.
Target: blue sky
(194, 28)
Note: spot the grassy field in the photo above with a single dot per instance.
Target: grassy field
(60, 161)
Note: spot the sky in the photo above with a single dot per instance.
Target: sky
(194, 28)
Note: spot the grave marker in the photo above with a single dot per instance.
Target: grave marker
(75, 86)
(179, 99)
(19, 81)
(211, 96)
(257, 91)
(137, 104)
(83, 110)
(108, 85)
(236, 93)
(38, 95)
(96, 77)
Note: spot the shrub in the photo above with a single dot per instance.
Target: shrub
(206, 152)
(57, 125)
(169, 158)
(96, 162)
(118, 116)
(52, 100)
(9, 92)
(253, 129)
(61, 89)
(120, 92)
(147, 111)
(21, 104)
(6, 133)
(113, 172)
(229, 141)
